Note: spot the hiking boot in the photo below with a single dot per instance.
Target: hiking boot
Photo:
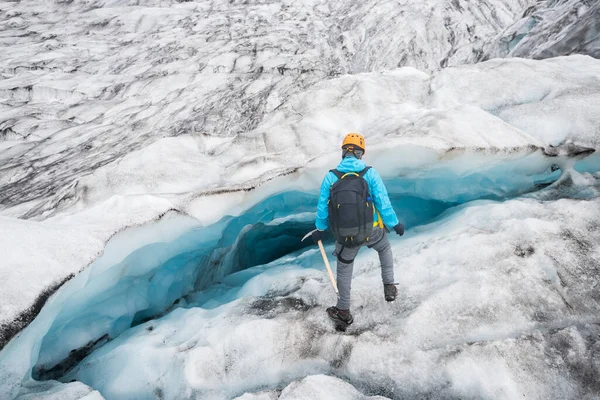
(390, 291)
(337, 315)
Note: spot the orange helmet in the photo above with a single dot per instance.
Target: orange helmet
(354, 139)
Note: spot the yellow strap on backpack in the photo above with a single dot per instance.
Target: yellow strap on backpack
(349, 173)
(379, 221)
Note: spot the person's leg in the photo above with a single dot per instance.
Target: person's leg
(345, 265)
(386, 258)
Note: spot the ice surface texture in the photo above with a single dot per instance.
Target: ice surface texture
(551, 28)
(121, 290)
(88, 82)
(113, 115)
(504, 107)
(499, 301)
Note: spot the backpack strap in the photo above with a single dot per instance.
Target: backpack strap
(341, 175)
(364, 171)
(337, 173)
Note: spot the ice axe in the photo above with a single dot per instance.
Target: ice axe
(326, 262)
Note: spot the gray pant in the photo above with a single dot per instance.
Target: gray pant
(345, 264)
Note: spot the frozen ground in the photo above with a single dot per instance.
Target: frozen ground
(498, 300)
(85, 83)
(508, 108)
(549, 29)
(206, 127)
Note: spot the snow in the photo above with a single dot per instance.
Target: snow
(89, 228)
(52, 250)
(169, 154)
(490, 106)
(553, 101)
(97, 274)
(322, 387)
(550, 29)
(478, 314)
(441, 139)
(87, 83)
(55, 391)
(58, 253)
(145, 270)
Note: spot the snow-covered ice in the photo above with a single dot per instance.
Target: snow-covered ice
(167, 154)
(550, 29)
(87, 82)
(141, 274)
(469, 109)
(489, 296)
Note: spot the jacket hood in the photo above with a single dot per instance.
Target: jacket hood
(351, 164)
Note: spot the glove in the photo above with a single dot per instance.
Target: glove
(317, 235)
(399, 229)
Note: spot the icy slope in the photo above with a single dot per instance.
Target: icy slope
(465, 107)
(412, 122)
(145, 270)
(549, 29)
(115, 114)
(499, 300)
(86, 82)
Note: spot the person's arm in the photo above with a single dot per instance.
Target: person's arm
(381, 199)
(322, 222)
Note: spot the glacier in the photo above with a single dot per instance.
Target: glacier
(493, 350)
(159, 163)
(219, 273)
(550, 29)
(105, 78)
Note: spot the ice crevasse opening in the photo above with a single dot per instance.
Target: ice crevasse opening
(147, 272)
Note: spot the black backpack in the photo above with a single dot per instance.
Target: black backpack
(350, 208)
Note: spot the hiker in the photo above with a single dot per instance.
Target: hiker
(355, 205)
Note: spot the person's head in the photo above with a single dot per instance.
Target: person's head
(353, 146)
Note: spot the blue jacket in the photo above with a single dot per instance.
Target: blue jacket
(376, 189)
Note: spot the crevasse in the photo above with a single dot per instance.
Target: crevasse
(116, 293)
